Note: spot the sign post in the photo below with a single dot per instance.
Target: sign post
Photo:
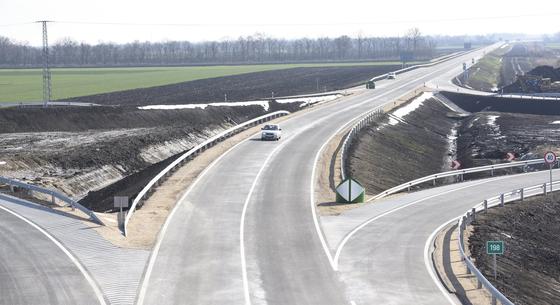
(550, 159)
(120, 202)
(495, 247)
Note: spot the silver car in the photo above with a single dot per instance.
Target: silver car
(271, 132)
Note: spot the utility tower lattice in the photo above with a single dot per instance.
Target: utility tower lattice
(46, 68)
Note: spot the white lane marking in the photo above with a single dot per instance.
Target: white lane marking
(243, 215)
(155, 251)
(334, 262)
(429, 265)
(367, 222)
(76, 262)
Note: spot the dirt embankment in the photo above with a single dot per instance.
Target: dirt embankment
(80, 149)
(244, 87)
(500, 68)
(400, 147)
(472, 103)
(487, 137)
(529, 271)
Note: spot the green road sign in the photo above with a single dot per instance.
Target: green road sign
(350, 191)
(495, 247)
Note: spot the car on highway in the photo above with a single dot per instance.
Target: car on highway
(271, 132)
(392, 75)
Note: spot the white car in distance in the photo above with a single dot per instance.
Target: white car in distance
(271, 132)
(391, 75)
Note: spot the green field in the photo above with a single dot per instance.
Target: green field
(26, 84)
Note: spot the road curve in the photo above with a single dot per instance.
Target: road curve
(384, 262)
(34, 270)
(244, 233)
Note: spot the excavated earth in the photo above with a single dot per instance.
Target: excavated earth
(431, 137)
(94, 153)
(390, 152)
(529, 271)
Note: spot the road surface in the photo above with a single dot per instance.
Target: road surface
(33, 270)
(384, 262)
(245, 232)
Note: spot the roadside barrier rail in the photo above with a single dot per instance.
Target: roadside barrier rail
(166, 172)
(54, 194)
(470, 216)
(456, 173)
(370, 116)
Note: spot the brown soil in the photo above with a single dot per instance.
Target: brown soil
(486, 138)
(386, 155)
(529, 270)
(83, 149)
(248, 86)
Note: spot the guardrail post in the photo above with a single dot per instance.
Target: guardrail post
(485, 206)
(501, 200)
(434, 180)
(521, 194)
(544, 189)
(12, 189)
(53, 199)
(492, 171)
(473, 213)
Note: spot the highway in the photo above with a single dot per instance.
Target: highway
(34, 270)
(383, 256)
(246, 231)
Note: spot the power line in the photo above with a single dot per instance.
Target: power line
(439, 20)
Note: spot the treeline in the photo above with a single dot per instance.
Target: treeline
(252, 49)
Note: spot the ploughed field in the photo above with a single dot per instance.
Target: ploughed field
(251, 86)
(26, 84)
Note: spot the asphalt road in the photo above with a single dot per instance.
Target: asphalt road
(245, 232)
(385, 262)
(33, 270)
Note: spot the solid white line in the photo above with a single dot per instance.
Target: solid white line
(334, 262)
(155, 251)
(429, 265)
(367, 222)
(76, 262)
(242, 222)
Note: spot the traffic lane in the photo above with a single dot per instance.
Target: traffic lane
(33, 270)
(277, 209)
(286, 261)
(199, 259)
(387, 255)
(203, 280)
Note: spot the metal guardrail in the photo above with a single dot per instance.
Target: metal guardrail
(456, 173)
(54, 194)
(469, 216)
(159, 178)
(368, 117)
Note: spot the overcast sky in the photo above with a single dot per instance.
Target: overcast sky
(219, 19)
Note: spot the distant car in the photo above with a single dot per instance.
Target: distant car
(370, 84)
(271, 132)
(391, 75)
